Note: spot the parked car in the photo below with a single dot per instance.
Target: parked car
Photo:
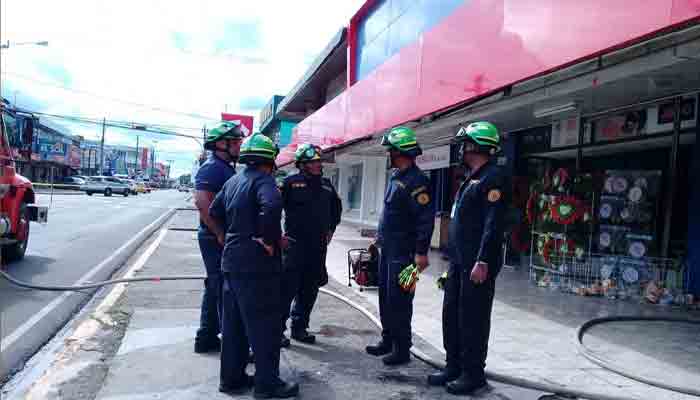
(73, 180)
(132, 185)
(183, 188)
(106, 185)
(141, 188)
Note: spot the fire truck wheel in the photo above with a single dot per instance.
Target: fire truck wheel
(15, 251)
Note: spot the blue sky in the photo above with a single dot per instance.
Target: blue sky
(133, 60)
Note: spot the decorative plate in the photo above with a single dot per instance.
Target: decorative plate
(606, 210)
(637, 249)
(630, 275)
(636, 194)
(620, 185)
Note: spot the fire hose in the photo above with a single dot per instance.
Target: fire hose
(497, 377)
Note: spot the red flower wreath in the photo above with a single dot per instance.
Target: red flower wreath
(566, 210)
(555, 246)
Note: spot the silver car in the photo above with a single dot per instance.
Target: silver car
(106, 185)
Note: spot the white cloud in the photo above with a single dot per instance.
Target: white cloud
(133, 50)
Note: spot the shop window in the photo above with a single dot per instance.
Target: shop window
(354, 181)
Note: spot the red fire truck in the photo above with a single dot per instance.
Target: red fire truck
(17, 195)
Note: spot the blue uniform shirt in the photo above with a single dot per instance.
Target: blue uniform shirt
(476, 228)
(211, 176)
(408, 218)
(251, 205)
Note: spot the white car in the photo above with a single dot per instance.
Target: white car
(132, 186)
(106, 185)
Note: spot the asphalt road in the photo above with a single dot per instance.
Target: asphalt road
(81, 233)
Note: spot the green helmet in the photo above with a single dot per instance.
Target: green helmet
(481, 137)
(227, 130)
(403, 140)
(307, 152)
(258, 148)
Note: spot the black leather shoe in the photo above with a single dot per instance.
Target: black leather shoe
(207, 346)
(380, 349)
(465, 385)
(397, 357)
(282, 391)
(237, 387)
(303, 336)
(442, 378)
(284, 341)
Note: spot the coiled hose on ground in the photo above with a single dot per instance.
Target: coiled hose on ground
(505, 379)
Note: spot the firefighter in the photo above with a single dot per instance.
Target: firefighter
(224, 143)
(312, 211)
(251, 205)
(404, 234)
(475, 240)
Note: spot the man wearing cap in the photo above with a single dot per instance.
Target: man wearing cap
(404, 234)
(223, 143)
(312, 211)
(475, 240)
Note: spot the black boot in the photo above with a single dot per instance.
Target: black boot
(380, 349)
(303, 336)
(443, 377)
(466, 385)
(212, 345)
(284, 341)
(397, 357)
(239, 387)
(282, 391)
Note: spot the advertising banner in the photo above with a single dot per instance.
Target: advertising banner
(246, 121)
(52, 148)
(74, 156)
(144, 158)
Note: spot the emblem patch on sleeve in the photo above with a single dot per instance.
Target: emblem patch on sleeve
(494, 195)
(423, 199)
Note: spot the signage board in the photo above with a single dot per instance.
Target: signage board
(435, 158)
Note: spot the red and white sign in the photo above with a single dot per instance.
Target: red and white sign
(246, 121)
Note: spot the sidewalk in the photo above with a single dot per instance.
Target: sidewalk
(533, 331)
(142, 346)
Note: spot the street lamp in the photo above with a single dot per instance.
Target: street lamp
(7, 44)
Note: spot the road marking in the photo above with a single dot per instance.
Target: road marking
(10, 340)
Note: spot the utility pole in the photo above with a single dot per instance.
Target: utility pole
(102, 146)
(136, 168)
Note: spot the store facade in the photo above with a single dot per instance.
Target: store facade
(610, 109)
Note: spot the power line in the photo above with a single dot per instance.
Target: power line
(141, 127)
(86, 93)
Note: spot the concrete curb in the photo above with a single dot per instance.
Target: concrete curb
(28, 339)
(60, 192)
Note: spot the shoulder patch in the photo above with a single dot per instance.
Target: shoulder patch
(494, 195)
(423, 198)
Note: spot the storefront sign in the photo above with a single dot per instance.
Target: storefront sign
(74, 156)
(436, 158)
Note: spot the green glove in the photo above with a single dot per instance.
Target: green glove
(408, 278)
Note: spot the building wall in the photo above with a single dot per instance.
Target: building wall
(454, 62)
